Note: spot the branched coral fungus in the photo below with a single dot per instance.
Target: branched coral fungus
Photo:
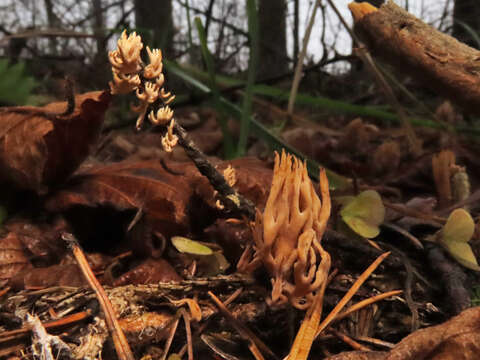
(288, 234)
(130, 74)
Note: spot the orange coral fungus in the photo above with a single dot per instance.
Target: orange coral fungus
(287, 235)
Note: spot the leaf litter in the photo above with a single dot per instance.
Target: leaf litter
(151, 199)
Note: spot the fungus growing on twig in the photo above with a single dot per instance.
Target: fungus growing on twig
(130, 74)
(288, 234)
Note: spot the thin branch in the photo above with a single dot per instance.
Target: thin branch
(120, 341)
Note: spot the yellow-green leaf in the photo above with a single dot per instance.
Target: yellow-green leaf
(459, 226)
(455, 236)
(364, 213)
(188, 246)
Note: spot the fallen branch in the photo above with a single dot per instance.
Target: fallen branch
(437, 59)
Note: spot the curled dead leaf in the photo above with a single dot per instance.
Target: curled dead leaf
(40, 146)
(151, 271)
(457, 338)
(12, 256)
(162, 196)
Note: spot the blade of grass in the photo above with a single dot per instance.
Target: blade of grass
(336, 181)
(227, 136)
(325, 103)
(189, 27)
(252, 68)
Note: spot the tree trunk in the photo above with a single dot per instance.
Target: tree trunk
(273, 59)
(53, 23)
(100, 60)
(466, 16)
(154, 21)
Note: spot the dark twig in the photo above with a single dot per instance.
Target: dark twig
(69, 96)
(233, 201)
(452, 277)
(255, 343)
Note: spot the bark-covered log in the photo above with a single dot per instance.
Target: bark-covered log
(440, 61)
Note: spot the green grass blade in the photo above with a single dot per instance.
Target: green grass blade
(227, 137)
(15, 87)
(252, 69)
(336, 181)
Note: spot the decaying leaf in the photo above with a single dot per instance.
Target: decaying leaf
(188, 246)
(253, 180)
(364, 213)
(162, 196)
(456, 234)
(458, 338)
(12, 256)
(40, 146)
(44, 277)
(150, 271)
(41, 242)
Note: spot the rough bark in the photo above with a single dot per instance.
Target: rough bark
(440, 61)
(272, 33)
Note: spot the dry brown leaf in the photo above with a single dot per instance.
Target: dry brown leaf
(55, 275)
(39, 146)
(42, 242)
(150, 271)
(12, 256)
(253, 180)
(458, 338)
(162, 196)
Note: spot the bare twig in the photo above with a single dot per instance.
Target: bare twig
(364, 303)
(298, 69)
(232, 200)
(351, 292)
(254, 342)
(121, 345)
(348, 340)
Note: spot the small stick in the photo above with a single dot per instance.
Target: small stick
(232, 200)
(69, 96)
(364, 303)
(348, 340)
(376, 342)
(120, 341)
(22, 332)
(351, 292)
(246, 333)
(4, 291)
(173, 330)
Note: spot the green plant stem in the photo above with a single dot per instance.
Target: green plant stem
(189, 27)
(227, 137)
(252, 68)
(336, 181)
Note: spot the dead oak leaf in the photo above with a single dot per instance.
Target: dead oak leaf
(253, 179)
(162, 196)
(458, 338)
(12, 256)
(40, 146)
